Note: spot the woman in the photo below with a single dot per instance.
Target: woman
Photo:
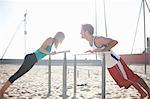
(31, 59)
(117, 68)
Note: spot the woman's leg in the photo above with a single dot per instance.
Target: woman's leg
(28, 63)
(4, 88)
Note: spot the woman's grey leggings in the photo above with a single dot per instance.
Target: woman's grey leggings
(29, 61)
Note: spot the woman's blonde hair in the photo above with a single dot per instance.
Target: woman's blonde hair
(58, 38)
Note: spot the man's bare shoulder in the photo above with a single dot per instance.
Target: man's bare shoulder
(99, 38)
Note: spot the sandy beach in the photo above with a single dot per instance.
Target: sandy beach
(34, 84)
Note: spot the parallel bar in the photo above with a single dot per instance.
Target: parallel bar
(103, 73)
(103, 77)
(80, 54)
(64, 96)
(49, 77)
(63, 51)
(84, 54)
(75, 76)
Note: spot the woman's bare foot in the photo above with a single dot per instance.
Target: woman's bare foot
(1, 94)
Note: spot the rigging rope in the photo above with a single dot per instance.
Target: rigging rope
(147, 5)
(95, 18)
(136, 28)
(11, 40)
(105, 18)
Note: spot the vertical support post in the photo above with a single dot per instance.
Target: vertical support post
(64, 96)
(75, 76)
(145, 48)
(103, 77)
(49, 76)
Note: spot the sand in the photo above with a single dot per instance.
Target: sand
(34, 84)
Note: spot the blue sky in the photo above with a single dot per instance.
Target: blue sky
(46, 17)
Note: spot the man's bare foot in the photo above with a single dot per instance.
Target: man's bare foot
(143, 95)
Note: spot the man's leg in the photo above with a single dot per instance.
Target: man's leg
(140, 90)
(144, 85)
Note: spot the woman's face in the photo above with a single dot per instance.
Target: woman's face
(62, 39)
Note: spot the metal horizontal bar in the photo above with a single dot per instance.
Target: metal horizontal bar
(65, 51)
(91, 53)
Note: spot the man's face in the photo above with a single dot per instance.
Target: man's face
(83, 33)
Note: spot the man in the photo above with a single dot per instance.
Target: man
(117, 68)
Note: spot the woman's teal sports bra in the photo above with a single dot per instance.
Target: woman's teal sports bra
(40, 55)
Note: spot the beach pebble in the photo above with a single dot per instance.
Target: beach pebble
(1, 81)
